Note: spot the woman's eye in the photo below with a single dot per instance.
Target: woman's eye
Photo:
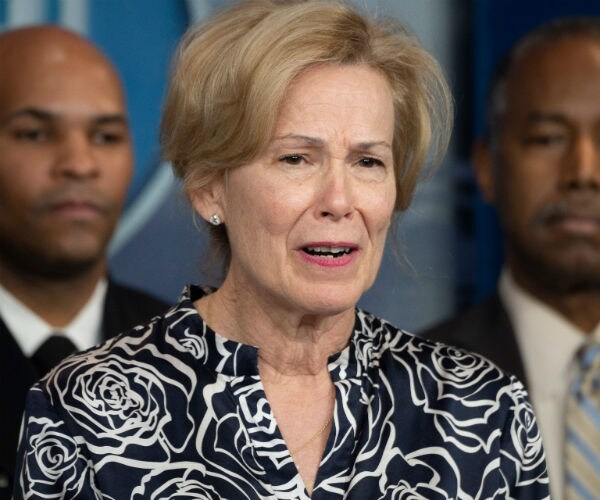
(292, 159)
(370, 162)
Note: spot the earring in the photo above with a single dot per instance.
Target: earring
(215, 220)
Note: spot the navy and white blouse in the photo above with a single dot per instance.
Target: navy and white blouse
(173, 410)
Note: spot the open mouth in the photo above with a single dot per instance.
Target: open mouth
(328, 252)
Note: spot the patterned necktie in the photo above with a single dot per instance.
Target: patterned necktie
(582, 439)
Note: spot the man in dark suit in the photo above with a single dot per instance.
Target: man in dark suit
(65, 165)
(540, 166)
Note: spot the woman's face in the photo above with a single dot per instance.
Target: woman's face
(308, 218)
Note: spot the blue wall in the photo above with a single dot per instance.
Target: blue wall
(449, 238)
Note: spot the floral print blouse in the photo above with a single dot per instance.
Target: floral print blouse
(173, 410)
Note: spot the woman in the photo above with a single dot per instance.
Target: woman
(298, 128)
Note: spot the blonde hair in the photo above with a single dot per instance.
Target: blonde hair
(231, 73)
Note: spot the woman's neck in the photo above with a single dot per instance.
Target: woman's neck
(290, 342)
(293, 351)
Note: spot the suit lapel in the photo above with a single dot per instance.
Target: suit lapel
(485, 329)
(17, 375)
(125, 307)
(495, 338)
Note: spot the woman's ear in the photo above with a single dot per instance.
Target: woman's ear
(208, 200)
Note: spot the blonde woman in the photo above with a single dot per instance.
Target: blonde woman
(299, 129)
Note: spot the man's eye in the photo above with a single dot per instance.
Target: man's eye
(544, 139)
(292, 159)
(107, 138)
(370, 162)
(30, 135)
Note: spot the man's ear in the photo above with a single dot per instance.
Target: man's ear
(208, 200)
(481, 157)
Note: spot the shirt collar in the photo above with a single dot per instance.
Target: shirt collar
(30, 330)
(541, 329)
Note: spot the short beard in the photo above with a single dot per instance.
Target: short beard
(551, 276)
(42, 267)
(569, 266)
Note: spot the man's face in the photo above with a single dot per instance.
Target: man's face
(545, 166)
(65, 161)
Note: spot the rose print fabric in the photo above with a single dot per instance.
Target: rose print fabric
(173, 410)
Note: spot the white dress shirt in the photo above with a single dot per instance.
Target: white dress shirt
(31, 331)
(548, 343)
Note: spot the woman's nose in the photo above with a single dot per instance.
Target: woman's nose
(336, 193)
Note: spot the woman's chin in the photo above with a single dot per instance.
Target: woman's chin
(328, 303)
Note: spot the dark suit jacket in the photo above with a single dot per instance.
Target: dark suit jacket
(124, 307)
(485, 329)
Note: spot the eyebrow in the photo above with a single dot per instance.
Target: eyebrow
(316, 142)
(313, 141)
(48, 116)
(539, 116)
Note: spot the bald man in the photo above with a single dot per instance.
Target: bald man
(65, 165)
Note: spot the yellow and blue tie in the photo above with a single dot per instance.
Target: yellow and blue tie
(582, 438)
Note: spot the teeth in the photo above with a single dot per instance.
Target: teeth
(328, 251)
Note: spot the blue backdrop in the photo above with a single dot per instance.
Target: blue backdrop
(449, 238)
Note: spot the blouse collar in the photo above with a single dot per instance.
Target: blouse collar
(234, 359)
